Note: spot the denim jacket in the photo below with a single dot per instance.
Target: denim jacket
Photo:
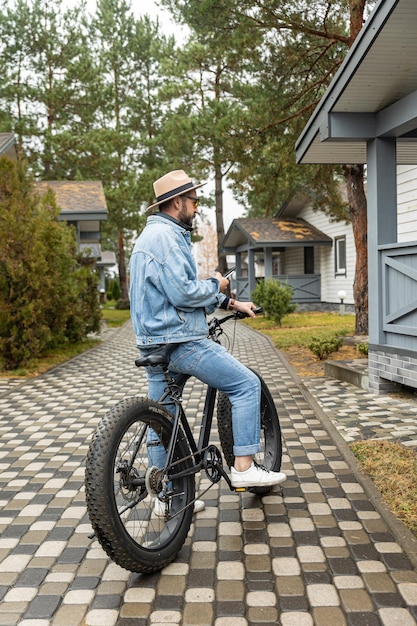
(168, 304)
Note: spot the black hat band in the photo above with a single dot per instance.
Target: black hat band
(174, 192)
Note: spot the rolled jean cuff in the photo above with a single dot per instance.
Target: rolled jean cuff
(246, 450)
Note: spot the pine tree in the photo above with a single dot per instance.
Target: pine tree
(294, 47)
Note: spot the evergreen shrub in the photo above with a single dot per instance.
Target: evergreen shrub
(323, 346)
(275, 299)
(362, 348)
(48, 296)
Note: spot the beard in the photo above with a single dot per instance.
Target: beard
(185, 217)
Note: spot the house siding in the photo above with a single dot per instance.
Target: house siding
(294, 261)
(325, 257)
(407, 203)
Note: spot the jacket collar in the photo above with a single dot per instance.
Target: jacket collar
(172, 219)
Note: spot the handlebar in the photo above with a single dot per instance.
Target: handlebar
(215, 323)
(239, 315)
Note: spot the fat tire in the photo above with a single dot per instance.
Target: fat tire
(271, 440)
(103, 493)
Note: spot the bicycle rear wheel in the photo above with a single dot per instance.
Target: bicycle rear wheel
(121, 488)
(270, 455)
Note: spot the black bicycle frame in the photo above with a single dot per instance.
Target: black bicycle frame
(171, 396)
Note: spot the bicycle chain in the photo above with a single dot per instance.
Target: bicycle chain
(201, 493)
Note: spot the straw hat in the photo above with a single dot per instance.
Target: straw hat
(170, 185)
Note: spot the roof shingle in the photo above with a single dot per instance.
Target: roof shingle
(74, 196)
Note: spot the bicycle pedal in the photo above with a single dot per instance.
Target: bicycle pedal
(240, 489)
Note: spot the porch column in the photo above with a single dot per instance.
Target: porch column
(268, 262)
(251, 271)
(382, 229)
(238, 259)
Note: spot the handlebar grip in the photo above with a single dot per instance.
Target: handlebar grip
(242, 316)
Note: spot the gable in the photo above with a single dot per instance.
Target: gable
(269, 232)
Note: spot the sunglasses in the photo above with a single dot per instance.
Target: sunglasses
(195, 200)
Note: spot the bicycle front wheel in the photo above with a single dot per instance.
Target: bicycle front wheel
(122, 488)
(270, 455)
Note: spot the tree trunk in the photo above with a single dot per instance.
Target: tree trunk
(358, 204)
(359, 219)
(356, 9)
(122, 266)
(218, 194)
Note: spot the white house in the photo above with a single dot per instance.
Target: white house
(299, 246)
(336, 263)
(368, 115)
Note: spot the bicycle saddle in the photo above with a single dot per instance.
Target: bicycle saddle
(159, 356)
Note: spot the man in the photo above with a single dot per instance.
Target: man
(169, 305)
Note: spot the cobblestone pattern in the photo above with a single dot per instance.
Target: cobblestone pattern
(314, 551)
(360, 414)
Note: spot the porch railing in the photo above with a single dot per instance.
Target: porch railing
(398, 300)
(307, 287)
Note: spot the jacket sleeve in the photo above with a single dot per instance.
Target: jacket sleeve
(177, 279)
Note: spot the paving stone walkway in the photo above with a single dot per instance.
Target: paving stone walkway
(318, 551)
(359, 414)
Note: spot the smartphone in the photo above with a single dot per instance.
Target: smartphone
(229, 273)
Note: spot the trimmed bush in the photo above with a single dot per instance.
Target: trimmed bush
(362, 348)
(323, 346)
(274, 298)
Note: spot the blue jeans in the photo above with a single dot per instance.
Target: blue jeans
(213, 365)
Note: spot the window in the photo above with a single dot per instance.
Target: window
(276, 264)
(308, 260)
(340, 255)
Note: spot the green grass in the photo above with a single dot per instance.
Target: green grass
(298, 329)
(50, 359)
(114, 317)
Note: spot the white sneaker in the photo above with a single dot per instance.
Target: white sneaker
(256, 476)
(159, 507)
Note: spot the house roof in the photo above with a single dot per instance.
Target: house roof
(78, 200)
(373, 94)
(108, 258)
(268, 232)
(8, 145)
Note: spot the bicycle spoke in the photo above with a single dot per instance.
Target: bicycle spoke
(127, 523)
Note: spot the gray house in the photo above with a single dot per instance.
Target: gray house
(369, 115)
(83, 206)
(282, 248)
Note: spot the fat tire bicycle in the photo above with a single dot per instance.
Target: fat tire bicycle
(121, 487)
